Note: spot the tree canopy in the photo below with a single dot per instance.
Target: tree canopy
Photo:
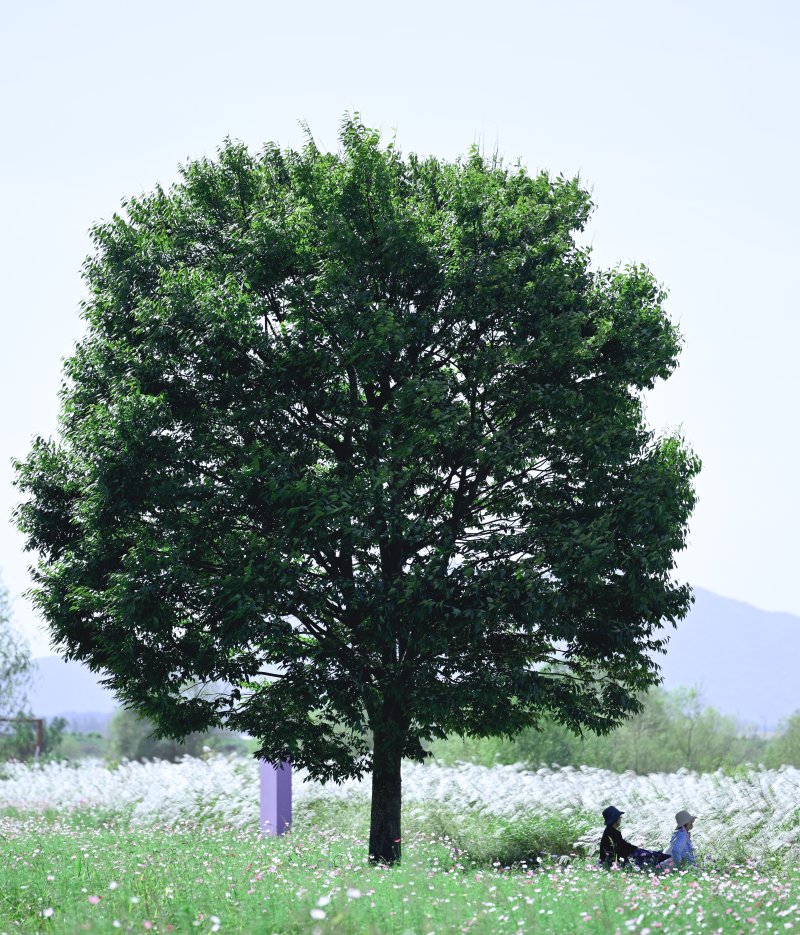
(359, 437)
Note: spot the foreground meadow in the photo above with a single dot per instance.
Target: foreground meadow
(172, 848)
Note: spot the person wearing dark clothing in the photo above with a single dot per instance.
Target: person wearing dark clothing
(614, 849)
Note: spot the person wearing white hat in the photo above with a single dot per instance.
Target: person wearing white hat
(680, 847)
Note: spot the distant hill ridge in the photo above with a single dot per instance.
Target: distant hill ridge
(745, 660)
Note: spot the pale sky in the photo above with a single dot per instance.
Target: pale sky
(680, 117)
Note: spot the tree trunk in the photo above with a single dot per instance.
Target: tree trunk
(384, 830)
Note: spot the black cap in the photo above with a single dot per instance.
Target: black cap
(611, 814)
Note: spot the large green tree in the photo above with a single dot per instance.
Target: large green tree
(360, 437)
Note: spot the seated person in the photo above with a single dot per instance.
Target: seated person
(615, 849)
(680, 847)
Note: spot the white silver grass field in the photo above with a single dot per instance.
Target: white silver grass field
(755, 813)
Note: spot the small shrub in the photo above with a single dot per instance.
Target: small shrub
(488, 839)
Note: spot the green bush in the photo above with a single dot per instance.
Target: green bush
(78, 745)
(784, 747)
(485, 839)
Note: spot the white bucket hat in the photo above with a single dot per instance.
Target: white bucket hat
(684, 818)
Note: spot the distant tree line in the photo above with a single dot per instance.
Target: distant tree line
(131, 737)
(674, 730)
(128, 737)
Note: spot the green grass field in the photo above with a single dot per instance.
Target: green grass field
(92, 873)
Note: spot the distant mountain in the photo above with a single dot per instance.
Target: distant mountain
(745, 660)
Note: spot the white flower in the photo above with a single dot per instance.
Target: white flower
(353, 893)
(113, 885)
(323, 900)
(318, 914)
(47, 913)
